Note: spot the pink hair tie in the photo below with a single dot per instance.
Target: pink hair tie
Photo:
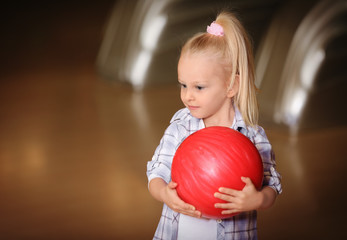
(215, 29)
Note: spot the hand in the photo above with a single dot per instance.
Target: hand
(239, 201)
(171, 198)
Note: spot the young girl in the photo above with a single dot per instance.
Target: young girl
(216, 74)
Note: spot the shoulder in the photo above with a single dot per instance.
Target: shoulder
(178, 122)
(183, 124)
(257, 134)
(182, 115)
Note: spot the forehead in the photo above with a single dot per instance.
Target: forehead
(200, 67)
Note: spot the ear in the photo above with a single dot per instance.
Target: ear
(235, 88)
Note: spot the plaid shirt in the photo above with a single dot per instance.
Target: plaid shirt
(241, 226)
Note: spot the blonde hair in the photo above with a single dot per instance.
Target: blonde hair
(234, 49)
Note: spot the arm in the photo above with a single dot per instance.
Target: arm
(167, 194)
(159, 168)
(268, 199)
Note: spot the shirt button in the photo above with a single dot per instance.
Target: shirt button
(219, 220)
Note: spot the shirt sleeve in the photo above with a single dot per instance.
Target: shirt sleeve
(271, 177)
(160, 165)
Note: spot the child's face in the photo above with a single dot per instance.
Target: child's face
(204, 90)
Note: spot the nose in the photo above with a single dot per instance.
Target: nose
(187, 95)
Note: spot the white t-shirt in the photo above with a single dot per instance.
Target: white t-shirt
(191, 228)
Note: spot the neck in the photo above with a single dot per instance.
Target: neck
(222, 121)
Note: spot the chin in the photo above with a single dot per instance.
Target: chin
(197, 115)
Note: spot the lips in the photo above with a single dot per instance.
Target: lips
(193, 107)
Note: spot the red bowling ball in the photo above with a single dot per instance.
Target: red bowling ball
(210, 158)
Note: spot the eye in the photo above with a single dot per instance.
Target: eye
(200, 87)
(182, 85)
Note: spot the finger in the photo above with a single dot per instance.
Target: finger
(228, 191)
(224, 197)
(196, 214)
(187, 207)
(230, 211)
(228, 206)
(190, 210)
(183, 206)
(246, 180)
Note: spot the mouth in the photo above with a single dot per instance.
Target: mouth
(192, 107)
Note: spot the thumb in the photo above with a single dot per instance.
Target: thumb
(247, 180)
(172, 185)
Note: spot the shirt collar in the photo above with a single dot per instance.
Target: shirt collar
(238, 120)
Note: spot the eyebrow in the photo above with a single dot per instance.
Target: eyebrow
(195, 82)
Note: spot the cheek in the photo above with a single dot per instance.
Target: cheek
(182, 95)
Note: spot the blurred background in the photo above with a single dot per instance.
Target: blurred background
(87, 89)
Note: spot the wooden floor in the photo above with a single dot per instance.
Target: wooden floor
(74, 148)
